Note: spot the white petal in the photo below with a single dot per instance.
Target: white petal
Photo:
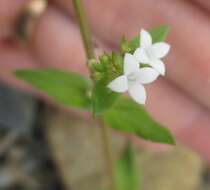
(141, 55)
(159, 66)
(159, 50)
(130, 64)
(120, 84)
(145, 39)
(138, 93)
(147, 75)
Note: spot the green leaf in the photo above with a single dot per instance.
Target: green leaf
(158, 35)
(127, 174)
(128, 116)
(102, 97)
(67, 88)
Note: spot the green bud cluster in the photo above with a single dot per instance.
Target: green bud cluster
(107, 67)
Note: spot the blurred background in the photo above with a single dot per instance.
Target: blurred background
(42, 147)
(45, 148)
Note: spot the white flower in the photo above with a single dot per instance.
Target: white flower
(151, 54)
(133, 79)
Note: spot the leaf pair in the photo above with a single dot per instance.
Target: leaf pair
(73, 90)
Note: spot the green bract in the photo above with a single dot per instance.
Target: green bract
(106, 69)
(102, 97)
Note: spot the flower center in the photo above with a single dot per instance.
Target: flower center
(132, 78)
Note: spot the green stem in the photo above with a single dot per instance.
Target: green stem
(106, 138)
(86, 36)
(84, 29)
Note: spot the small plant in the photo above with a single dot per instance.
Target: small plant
(136, 64)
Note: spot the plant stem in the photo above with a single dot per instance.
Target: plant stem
(84, 29)
(106, 138)
(88, 45)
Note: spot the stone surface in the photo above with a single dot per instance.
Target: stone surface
(176, 169)
(77, 150)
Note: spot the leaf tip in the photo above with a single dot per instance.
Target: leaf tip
(20, 73)
(170, 139)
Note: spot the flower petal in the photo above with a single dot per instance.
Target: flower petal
(147, 75)
(159, 50)
(130, 64)
(141, 55)
(120, 84)
(138, 93)
(145, 39)
(159, 66)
